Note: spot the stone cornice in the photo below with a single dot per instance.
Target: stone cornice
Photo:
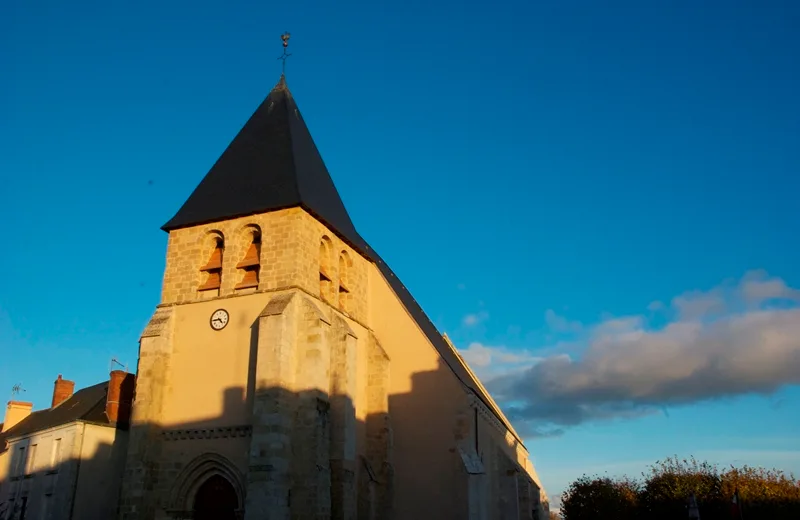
(487, 414)
(267, 291)
(223, 432)
(156, 324)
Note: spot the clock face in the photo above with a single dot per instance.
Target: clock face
(219, 319)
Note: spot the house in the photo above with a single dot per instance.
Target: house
(66, 462)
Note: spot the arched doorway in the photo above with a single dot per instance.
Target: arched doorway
(215, 500)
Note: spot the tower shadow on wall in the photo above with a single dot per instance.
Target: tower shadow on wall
(423, 422)
(304, 453)
(295, 451)
(428, 422)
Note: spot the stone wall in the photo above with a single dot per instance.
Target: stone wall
(310, 463)
(309, 234)
(289, 258)
(343, 345)
(497, 485)
(377, 471)
(145, 478)
(189, 249)
(302, 453)
(524, 496)
(269, 466)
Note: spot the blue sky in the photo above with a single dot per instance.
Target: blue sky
(539, 174)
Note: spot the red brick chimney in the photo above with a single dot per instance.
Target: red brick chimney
(120, 396)
(62, 390)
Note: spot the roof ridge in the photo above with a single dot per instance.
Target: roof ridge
(282, 86)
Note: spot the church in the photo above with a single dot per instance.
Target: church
(288, 373)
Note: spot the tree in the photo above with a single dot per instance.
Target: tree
(587, 496)
(663, 493)
(667, 488)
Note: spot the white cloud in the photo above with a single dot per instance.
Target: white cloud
(757, 287)
(754, 290)
(470, 320)
(489, 362)
(477, 356)
(697, 304)
(559, 323)
(615, 326)
(728, 341)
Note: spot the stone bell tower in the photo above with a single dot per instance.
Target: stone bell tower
(247, 369)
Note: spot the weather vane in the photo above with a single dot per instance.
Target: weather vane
(285, 37)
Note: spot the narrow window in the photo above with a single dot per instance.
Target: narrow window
(213, 267)
(31, 459)
(55, 455)
(344, 281)
(477, 447)
(20, 463)
(325, 283)
(45, 507)
(251, 263)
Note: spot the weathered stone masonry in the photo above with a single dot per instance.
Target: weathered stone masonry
(144, 463)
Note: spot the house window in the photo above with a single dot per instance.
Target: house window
(55, 454)
(477, 446)
(44, 506)
(32, 459)
(19, 464)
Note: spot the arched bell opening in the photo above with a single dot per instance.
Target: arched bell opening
(325, 281)
(345, 297)
(215, 245)
(250, 265)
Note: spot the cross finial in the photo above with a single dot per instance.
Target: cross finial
(285, 37)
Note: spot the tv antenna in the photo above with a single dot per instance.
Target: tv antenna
(114, 361)
(16, 389)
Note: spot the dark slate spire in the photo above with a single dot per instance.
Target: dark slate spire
(271, 164)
